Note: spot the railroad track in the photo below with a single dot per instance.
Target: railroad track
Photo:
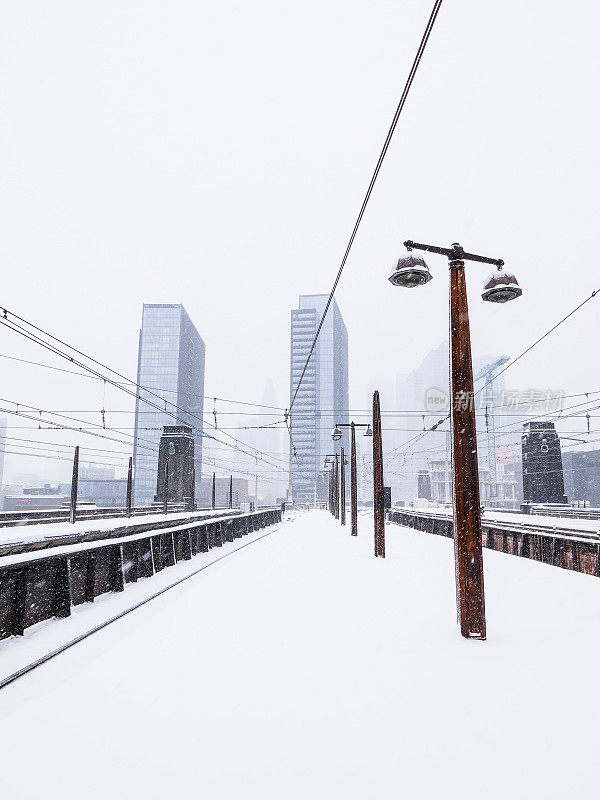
(55, 651)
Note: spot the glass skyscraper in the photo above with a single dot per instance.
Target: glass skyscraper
(171, 365)
(322, 399)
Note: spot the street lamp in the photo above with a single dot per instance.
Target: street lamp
(353, 470)
(334, 483)
(500, 287)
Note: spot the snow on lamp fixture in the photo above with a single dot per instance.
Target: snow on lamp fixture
(336, 434)
(500, 287)
(369, 431)
(410, 271)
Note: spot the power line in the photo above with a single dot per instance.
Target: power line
(386, 144)
(14, 326)
(414, 440)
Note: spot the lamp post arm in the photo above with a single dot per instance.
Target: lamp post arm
(454, 253)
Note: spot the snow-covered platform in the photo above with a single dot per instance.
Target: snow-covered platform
(303, 667)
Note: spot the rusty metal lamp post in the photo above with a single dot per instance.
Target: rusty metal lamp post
(334, 493)
(378, 491)
(500, 287)
(336, 435)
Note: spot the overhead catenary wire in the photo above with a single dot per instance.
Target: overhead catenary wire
(386, 144)
(14, 326)
(415, 439)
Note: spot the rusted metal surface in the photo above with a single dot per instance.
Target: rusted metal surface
(577, 550)
(166, 497)
(336, 487)
(378, 494)
(353, 484)
(467, 510)
(342, 487)
(129, 487)
(74, 486)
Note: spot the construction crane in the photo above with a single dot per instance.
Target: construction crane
(487, 373)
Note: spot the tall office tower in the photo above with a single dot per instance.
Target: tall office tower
(171, 365)
(322, 399)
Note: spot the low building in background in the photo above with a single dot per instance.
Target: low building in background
(500, 491)
(36, 498)
(98, 485)
(582, 476)
(240, 492)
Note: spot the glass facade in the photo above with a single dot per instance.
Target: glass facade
(322, 399)
(171, 365)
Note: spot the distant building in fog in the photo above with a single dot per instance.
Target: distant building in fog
(240, 492)
(322, 398)
(99, 485)
(171, 365)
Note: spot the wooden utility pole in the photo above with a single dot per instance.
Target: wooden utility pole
(129, 487)
(353, 485)
(467, 511)
(231, 491)
(378, 493)
(74, 485)
(214, 489)
(342, 488)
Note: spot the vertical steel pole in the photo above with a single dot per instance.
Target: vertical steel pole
(74, 485)
(166, 497)
(336, 488)
(231, 491)
(353, 485)
(378, 497)
(343, 488)
(467, 511)
(129, 486)
(193, 490)
(214, 489)
(331, 490)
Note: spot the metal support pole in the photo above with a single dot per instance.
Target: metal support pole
(74, 484)
(166, 495)
(331, 490)
(378, 494)
(343, 488)
(467, 511)
(193, 490)
(231, 491)
(214, 489)
(353, 485)
(336, 487)
(129, 486)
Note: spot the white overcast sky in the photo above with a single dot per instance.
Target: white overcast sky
(216, 154)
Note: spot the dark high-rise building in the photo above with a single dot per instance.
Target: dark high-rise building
(322, 399)
(171, 365)
(543, 480)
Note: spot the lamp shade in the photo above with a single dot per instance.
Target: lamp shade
(410, 271)
(500, 287)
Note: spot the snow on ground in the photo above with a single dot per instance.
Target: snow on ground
(303, 667)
